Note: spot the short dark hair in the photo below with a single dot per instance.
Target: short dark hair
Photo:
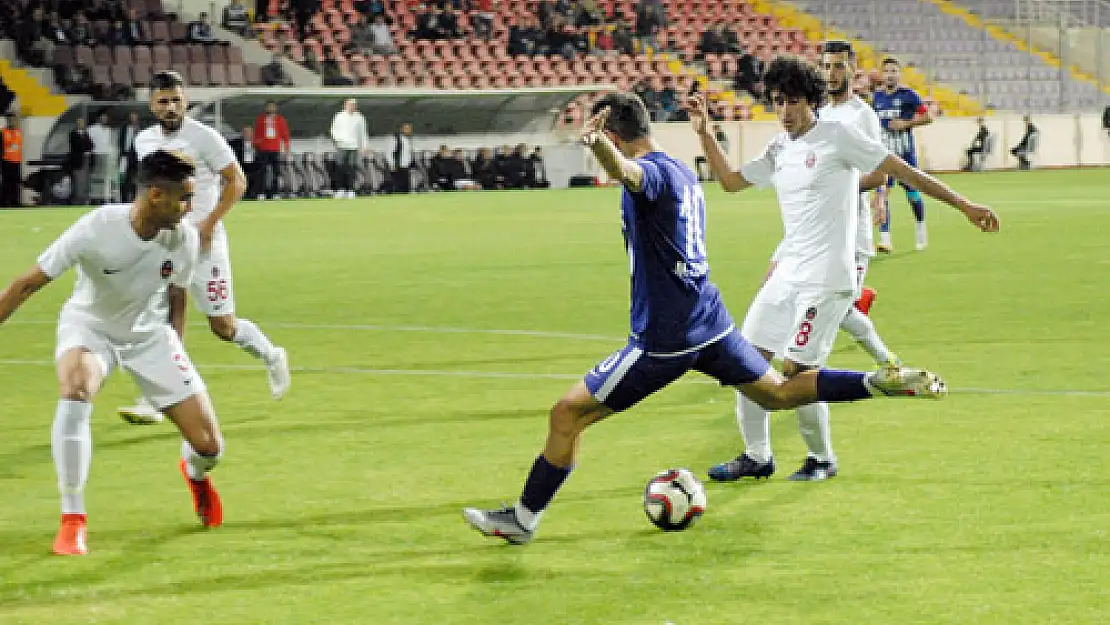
(889, 60)
(166, 79)
(795, 77)
(836, 46)
(628, 117)
(162, 166)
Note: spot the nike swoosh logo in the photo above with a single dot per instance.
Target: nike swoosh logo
(109, 272)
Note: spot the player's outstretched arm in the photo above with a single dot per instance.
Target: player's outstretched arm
(981, 216)
(698, 110)
(20, 290)
(608, 156)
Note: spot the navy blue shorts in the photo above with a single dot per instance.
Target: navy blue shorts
(629, 375)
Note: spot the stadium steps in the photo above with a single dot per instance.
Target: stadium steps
(1021, 43)
(953, 104)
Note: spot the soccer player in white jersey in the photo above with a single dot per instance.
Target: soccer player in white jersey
(212, 289)
(127, 257)
(815, 167)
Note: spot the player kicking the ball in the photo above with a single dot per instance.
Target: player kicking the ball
(212, 288)
(679, 322)
(815, 167)
(126, 257)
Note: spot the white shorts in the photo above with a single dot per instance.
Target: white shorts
(863, 261)
(159, 366)
(212, 287)
(796, 321)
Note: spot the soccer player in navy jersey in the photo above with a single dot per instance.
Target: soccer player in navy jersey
(679, 322)
(900, 110)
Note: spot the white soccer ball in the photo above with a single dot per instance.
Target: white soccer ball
(674, 499)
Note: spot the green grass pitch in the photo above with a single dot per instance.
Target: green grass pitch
(431, 333)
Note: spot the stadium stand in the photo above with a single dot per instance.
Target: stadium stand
(107, 49)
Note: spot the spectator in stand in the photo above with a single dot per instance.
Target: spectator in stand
(82, 31)
(332, 73)
(668, 100)
(525, 37)
(712, 41)
(501, 165)
(382, 37)
(749, 75)
(481, 18)
(362, 37)
(236, 18)
(622, 39)
(449, 24)
(201, 31)
(273, 74)
(537, 171)
(483, 170)
(731, 37)
(370, 8)
(589, 14)
(348, 131)
(303, 10)
(271, 139)
(34, 45)
(128, 158)
(57, 33)
(116, 35)
(78, 160)
(603, 43)
(136, 29)
(402, 158)
(650, 19)
(649, 96)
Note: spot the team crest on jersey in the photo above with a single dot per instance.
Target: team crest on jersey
(167, 269)
(811, 313)
(811, 159)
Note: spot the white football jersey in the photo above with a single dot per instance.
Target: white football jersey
(201, 142)
(121, 279)
(816, 177)
(859, 115)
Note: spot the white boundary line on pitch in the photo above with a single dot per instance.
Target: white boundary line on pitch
(502, 375)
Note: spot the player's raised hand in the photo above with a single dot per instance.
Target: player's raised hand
(981, 216)
(697, 108)
(594, 126)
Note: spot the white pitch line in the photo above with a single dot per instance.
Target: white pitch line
(518, 375)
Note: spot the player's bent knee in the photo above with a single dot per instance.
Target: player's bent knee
(223, 327)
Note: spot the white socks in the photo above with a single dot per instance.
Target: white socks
(71, 443)
(755, 427)
(813, 422)
(922, 236)
(863, 331)
(251, 340)
(884, 238)
(197, 465)
(527, 519)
